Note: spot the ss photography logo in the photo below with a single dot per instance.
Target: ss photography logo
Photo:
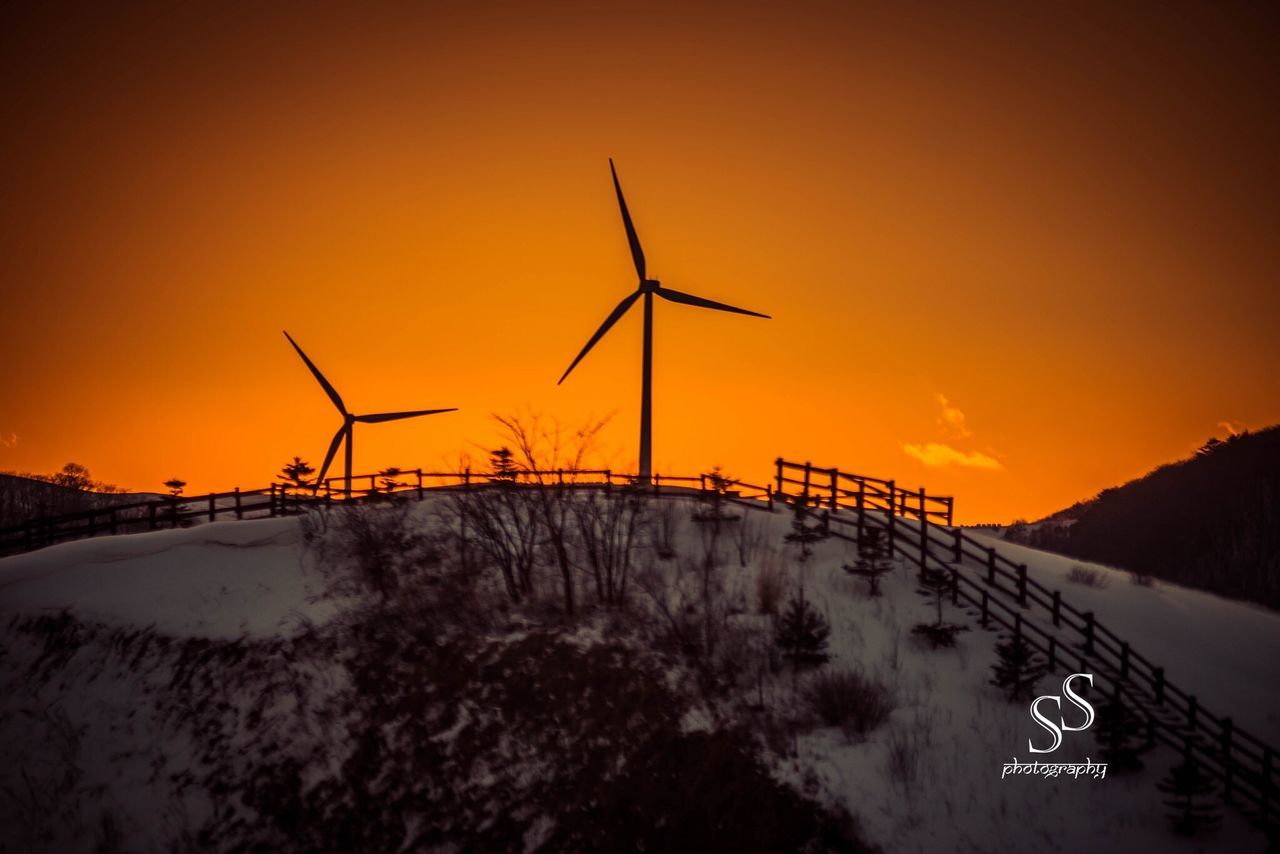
(1088, 768)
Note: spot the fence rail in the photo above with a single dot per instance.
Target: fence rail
(284, 499)
(1000, 592)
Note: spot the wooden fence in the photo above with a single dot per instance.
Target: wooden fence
(999, 591)
(285, 499)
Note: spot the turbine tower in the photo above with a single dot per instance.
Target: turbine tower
(647, 288)
(347, 430)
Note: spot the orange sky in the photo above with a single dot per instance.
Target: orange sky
(1056, 226)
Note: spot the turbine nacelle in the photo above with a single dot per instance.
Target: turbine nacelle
(648, 286)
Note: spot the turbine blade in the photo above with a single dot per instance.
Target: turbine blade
(396, 416)
(690, 299)
(329, 390)
(604, 327)
(328, 458)
(637, 254)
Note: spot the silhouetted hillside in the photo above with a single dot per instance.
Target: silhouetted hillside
(1212, 521)
(27, 496)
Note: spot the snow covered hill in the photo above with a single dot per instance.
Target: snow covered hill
(228, 683)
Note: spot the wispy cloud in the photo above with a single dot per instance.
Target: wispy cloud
(936, 454)
(951, 419)
(10, 441)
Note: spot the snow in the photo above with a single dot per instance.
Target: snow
(219, 580)
(225, 580)
(1225, 653)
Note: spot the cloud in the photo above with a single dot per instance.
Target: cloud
(10, 441)
(951, 419)
(1233, 428)
(936, 455)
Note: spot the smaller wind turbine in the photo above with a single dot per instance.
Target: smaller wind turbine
(347, 430)
(646, 288)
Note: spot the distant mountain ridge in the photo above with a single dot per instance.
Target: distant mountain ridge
(1210, 522)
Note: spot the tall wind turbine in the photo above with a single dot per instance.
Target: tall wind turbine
(347, 430)
(647, 288)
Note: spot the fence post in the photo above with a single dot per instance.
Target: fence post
(1159, 686)
(957, 555)
(213, 512)
(1057, 608)
(1226, 759)
(1022, 585)
(991, 565)
(702, 483)
(862, 515)
(835, 490)
(419, 473)
(239, 512)
(1088, 632)
(466, 479)
(778, 463)
(1192, 709)
(768, 491)
(808, 475)
(924, 535)
(657, 484)
(1124, 659)
(955, 586)
(986, 601)
(951, 507)
(272, 500)
(893, 489)
(1053, 652)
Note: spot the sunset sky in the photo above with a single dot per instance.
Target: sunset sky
(1014, 256)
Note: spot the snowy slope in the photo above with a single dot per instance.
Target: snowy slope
(950, 733)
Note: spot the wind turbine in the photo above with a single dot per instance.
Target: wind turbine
(347, 430)
(647, 288)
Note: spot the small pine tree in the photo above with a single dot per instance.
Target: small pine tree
(803, 532)
(389, 482)
(1121, 735)
(174, 512)
(1191, 804)
(935, 584)
(801, 633)
(873, 559)
(1018, 669)
(502, 463)
(297, 472)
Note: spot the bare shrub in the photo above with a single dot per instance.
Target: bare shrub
(1087, 576)
(771, 586)
(907, 744)
(370, 546)
(1142, 579)
(850, 699)
(749, 539)
(666, 530)
(609, 525)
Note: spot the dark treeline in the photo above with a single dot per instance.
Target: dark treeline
(71, 489)
(1211, 521)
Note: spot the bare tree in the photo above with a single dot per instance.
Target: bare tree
(547, 453)
(609, 524)
(503, 521)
